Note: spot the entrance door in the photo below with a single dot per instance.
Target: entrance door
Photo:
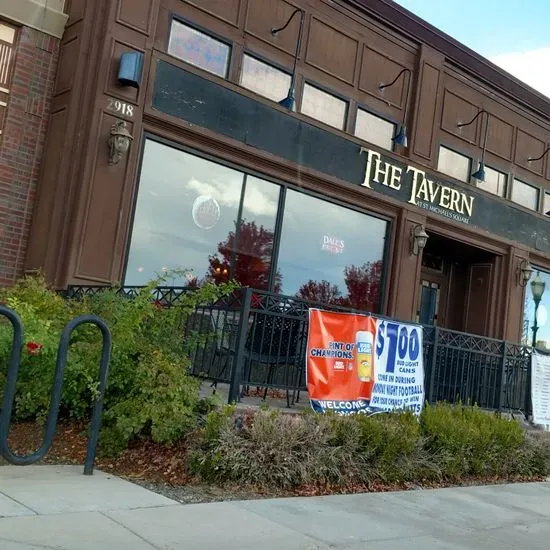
(479, 286)
(431, 309)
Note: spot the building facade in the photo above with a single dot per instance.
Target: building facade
(189, 160)
(30, 35)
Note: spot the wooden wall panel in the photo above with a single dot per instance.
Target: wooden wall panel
(332, 51)
(136, 14)
(261, 17)
(66, 68)
(426, 110)
(500, 139)
(457, 110)
(376, 69)
(528, 146)
(75, 9)
(226, 10)
(102, 211)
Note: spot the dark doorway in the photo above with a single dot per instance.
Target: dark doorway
(456, 285)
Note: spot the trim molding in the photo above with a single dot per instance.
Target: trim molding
(45, 16)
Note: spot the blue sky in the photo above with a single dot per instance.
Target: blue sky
(514, 34)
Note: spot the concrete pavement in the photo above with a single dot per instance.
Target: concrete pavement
(45, 507)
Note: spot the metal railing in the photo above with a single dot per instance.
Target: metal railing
(258, 339)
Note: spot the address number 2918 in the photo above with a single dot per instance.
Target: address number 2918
(120, 107)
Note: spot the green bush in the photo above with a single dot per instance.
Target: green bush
(449, 442)
(149, 393)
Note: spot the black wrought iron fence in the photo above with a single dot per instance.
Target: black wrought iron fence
(258, 339)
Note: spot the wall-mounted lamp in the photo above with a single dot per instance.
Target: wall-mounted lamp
(419, 238)
(130, 69)
(530, 159)
(401, 137)
(119, 141)
(479, 174)
(525, 270)
(289, 101)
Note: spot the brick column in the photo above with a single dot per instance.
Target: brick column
(25, 124)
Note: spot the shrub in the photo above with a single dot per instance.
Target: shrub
(469, 441)
(273, 449)
(149, 393)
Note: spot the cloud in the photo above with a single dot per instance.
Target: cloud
(529, 67)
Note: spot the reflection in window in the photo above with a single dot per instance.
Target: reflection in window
(264, 79)
(525, 195)
(245, 255)
(495, 182)
(374, 129)
(337, 258)
(542, 317)
(186, 206)
(187, 218)
(199, 49)
(324, 107)
(547, 204)
(453, 164)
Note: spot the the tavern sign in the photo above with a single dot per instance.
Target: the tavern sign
(421, 191)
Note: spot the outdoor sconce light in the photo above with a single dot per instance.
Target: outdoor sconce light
(538, 158)
(419, 238)
(289, 102)
(119, 141)
(525, 271)
(479, 174)
(130, 69)
(401, 137)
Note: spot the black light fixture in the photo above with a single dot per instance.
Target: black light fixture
(289, 102)
(530, 159)
(479, 174)
(401, 137)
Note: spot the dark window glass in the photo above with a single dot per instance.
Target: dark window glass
(199, 49)
(331, 254)
(186, 208)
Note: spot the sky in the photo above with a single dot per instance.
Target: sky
(514, 34)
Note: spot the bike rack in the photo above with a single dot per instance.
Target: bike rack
(53, 413)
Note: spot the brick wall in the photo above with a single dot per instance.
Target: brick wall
(22, 143)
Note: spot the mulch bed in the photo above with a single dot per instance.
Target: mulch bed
(163, 468)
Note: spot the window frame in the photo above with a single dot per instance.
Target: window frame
(284, 185)
(266, 61)
(457, 152)
(538, 189)
(207, 32)
(387, 118)
(347, 100)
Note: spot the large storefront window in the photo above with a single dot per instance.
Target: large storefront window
(331, 254)
(213, 223)
(540, 320)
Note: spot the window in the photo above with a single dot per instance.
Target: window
(542, 313)
(453, 164)
(322, 260)
(495, 182)
(7, 38)
(324, 107)
(525, 194)
(264, 79)
(546, 210)
(374, 129)
(199, 49)
(187, 217)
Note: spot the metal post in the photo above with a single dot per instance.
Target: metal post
(236, 373)
(433, 366)
(502, 377)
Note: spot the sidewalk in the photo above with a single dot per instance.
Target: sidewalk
(46, 507)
